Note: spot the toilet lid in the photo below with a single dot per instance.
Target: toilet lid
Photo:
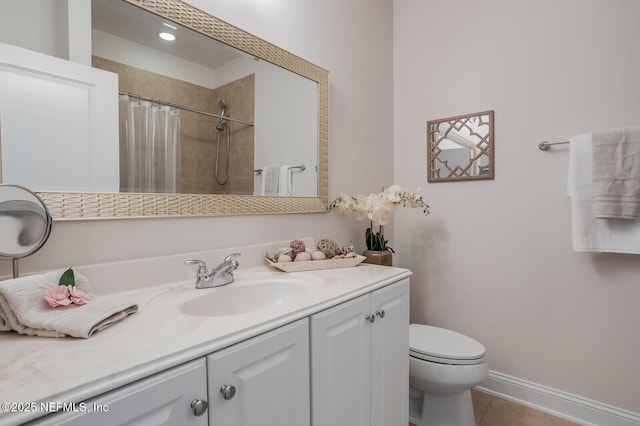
(444, 346)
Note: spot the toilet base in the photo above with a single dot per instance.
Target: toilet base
(445, 410)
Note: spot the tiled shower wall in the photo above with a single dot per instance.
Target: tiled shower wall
(239, 96)
(198, 136)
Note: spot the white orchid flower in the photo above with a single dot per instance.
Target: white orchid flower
(379, 209)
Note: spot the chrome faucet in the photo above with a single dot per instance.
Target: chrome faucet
(220, 275)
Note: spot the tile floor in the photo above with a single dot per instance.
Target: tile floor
(493, 411)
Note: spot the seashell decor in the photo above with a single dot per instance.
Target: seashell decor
(325, 249)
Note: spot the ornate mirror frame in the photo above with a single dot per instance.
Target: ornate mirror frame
(75, 206)
(471, 131)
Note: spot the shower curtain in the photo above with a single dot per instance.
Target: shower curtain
(149, 147)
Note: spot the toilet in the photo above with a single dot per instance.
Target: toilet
(443, 367)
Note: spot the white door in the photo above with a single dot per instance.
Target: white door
(263, 381)
(58, 123)
(160, 400)
(340, 365)
(390, 355)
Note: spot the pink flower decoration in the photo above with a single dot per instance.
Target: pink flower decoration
(64, 295)
(78, 297)
(58, 296)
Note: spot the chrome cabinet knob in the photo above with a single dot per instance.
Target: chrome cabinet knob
(371, 318)
(228, 391)
(380, 313)
(199, 407)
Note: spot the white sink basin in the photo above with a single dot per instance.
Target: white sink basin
(247, 295)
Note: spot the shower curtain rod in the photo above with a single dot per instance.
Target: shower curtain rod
(156, 101)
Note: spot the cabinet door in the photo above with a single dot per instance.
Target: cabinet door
(341, 369)
(390, 355)
(270, 379)
(162, 399)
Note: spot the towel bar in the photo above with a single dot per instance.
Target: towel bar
(301, 167)
(544, 145)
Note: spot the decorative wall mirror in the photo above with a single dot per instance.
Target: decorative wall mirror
(195, 24)
(460, 148)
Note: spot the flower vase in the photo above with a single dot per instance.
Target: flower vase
(378, 257)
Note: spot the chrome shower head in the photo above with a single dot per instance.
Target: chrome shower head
(221, 124)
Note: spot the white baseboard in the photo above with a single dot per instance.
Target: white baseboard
(562, 404)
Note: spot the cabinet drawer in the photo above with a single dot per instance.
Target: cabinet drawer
(162, 399)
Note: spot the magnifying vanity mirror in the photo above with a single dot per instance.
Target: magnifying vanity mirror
(25, 223)
(248, 110)
(461, 148)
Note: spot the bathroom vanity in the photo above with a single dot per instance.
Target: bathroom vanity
(332, 351)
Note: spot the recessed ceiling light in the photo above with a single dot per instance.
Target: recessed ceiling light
(167, 36)
(173, 27)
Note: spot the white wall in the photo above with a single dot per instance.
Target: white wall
(37, 31)
(494, 260)
(286, 113)
(355, 46)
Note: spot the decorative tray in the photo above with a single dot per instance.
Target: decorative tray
(314, 265)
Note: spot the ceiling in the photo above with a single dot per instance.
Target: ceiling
(140, 26)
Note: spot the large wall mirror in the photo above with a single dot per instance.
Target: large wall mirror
(252, 118)
(460, 148)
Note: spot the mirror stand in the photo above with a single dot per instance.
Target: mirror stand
(16, 270)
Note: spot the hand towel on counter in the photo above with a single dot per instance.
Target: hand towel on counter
(588, 233)
(270, 177)
(284, 181)
(616, 173)
(24, 309)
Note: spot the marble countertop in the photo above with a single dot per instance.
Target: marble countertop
(159, 336)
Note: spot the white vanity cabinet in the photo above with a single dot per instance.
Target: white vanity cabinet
(360, 360)
(346, 365)
(263, 381)
(162, 399)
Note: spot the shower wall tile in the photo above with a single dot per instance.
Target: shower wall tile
(198, 136)
(239, 96)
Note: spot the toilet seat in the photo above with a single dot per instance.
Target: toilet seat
(444, 346)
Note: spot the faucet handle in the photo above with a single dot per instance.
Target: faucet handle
(202, 266)
(233, 259)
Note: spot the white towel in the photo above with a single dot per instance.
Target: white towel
(24, 309)
(616, 173)
(588, 233)
(284, 181)
(270, 177)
